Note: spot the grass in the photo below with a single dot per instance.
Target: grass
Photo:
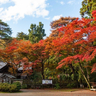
(10, 92)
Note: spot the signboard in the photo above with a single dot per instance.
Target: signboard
(47, 81)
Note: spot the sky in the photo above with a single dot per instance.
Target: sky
(20, 14)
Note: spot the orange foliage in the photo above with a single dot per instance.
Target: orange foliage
(74, 41)
(79, 35)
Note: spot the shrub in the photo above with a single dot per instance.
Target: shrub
(13, 88)
(5, 87)
(18, 84)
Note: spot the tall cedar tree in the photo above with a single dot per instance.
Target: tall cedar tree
(5, 31)
(5, 34)
(36, 33)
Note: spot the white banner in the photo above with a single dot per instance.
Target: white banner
(47, 81)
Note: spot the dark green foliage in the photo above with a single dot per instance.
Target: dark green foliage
(22, 36)
(87, 7)
(24, 86)
(62, 77)
(26, 83)
(36, 76)
(36, 33)
(33, 81)
(5, 31)
(71, 85)
(18, 84)
(5, 87)
(57, 86)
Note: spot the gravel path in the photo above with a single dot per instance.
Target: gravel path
(41, 92)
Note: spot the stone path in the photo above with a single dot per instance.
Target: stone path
(41, 92)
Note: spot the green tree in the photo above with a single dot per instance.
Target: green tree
(87, 7)
(5, 34)
(36, 33)
(21, 36)
(5, 31)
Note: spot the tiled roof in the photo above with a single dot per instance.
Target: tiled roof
(2, 64)
(8, 75)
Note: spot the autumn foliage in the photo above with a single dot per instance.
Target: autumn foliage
(77, 44)
(80, 35)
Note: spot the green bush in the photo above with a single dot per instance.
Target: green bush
(5, 87)
(18, 84)
(13, 88)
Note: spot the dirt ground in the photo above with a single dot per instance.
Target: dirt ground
(43, 92)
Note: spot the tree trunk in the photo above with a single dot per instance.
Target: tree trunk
(43, 71)
(87, 74)
(84, 75)
(88, 77)
(73, 70)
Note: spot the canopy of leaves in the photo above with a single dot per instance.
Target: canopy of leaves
(87, 7)
(80, 36)
(55, 25)
(5, 31)
(36, 33)
(76, 45)
(22, 36)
